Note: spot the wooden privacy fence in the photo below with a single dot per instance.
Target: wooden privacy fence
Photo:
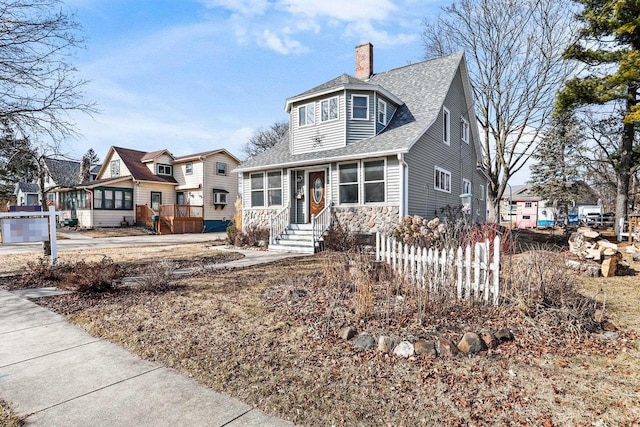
(472, 273)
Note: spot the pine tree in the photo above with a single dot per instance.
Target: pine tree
(554, 174)
(609, 46)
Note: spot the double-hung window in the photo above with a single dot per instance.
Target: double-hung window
(373, 181)
(466, 186)
(257, 189)
(382, 112)
(115, 167)
(360, 107)
(348, 174)
(188, 168)
(306, 115)
(221, 168)
(442, 180)
(274, 188)
(481, 192)
(446, 126)
(464, 130)
(329, 109)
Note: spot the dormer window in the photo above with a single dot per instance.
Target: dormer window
(329, 109)
(360, 107)
(166, 170)
(306, 115)
(382, 112)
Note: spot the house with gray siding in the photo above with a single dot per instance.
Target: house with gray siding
(371, 148)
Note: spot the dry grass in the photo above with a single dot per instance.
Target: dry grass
(7, 417)
(111, 232)
(264, 335)
(15, 263)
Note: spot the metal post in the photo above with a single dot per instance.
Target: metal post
(52, 235)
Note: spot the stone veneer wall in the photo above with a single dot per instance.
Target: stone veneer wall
(257, 217)
(368, 219)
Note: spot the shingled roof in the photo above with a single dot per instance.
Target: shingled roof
(27, 187)
(139, 171)
(422, 87)
(65, 173)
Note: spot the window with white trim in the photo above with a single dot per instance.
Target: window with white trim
(446, 126)
(188, 168)
(528, 204)
(481, 192)
(166, 170)
(382, 112)
(467, 188)
(221, 168)
(442, 180)
(274, 188)
(360, 107)
(115, 167)
(257, 189)
(464, 130)
(329, 109)
(306, 115)
(348, 178)
(373, 181)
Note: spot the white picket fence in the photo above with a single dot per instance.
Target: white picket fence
(474, 271)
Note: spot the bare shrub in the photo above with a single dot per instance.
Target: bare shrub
(78, 276)
(157, 276)
(546, 294)
(338, 238)
(253, 236)
(232, 234)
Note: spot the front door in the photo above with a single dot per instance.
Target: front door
(156, 200)
(316, 192)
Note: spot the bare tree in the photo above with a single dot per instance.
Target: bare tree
(263, 139)
(38, 86)
(514, 54)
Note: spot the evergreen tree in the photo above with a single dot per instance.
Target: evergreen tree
(554, 173)
(609, 46)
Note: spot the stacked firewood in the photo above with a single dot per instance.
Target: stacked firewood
(587, 244)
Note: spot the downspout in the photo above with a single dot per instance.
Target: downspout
(404, 194)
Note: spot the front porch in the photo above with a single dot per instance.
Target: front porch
(172, 219)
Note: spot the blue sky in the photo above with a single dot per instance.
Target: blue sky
(197, 75)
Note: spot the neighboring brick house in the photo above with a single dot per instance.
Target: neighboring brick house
(193, 193)
(371, 148)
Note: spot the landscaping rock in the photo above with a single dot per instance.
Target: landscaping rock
(404, 349)
(445, 348)
(470, 343)
(504, 334)
(347, 333)
(386, 344)
(489, 339)
(364, 342)
(425, 348)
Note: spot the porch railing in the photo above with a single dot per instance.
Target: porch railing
(277, 224)
(321, 222)
(144, 214)
(181, 211)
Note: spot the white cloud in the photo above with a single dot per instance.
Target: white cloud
(243, 7)
(365, 32)
(283, 45)
(352, 11)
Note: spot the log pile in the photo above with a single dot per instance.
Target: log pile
(587, 244)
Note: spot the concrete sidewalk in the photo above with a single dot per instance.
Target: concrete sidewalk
(58, 375)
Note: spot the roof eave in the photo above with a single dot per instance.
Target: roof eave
(321, 160)
(365, 87)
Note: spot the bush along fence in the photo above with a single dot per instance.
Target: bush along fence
(472, 273)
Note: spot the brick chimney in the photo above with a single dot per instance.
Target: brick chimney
(364, 61)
